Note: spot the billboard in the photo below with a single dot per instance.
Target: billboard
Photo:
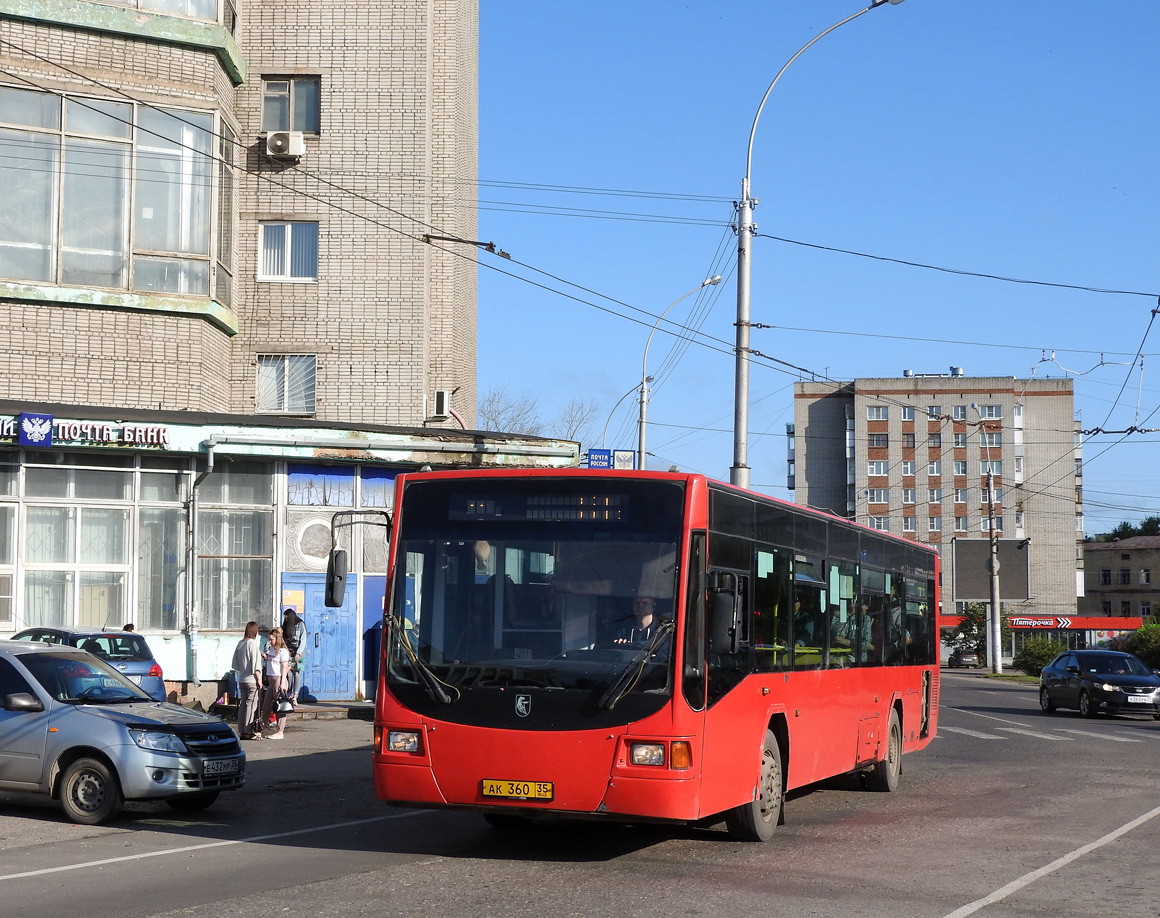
(971, 579)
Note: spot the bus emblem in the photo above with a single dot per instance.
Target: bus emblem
(523, 705)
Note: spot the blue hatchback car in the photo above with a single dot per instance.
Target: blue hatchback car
(126, 651)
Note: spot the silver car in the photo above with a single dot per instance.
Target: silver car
(74, 728)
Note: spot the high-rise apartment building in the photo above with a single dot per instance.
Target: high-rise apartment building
(941, 459)
(237, 287)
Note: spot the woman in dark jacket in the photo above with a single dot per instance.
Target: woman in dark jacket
(294, 633)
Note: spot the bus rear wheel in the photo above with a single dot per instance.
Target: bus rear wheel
(756, 820)
(884, 775)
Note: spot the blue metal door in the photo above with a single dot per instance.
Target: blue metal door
(332, 645)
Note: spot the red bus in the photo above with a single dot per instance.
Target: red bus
(643, 646)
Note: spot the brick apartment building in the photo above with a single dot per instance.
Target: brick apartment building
(911, 456)
(222, 320)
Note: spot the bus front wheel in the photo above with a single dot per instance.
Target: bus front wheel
(756, 820)
(884, 775)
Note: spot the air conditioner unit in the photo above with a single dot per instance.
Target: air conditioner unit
(285, 144)
(441, 404)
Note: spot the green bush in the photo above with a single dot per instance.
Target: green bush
(1036, 654)
(1144, 643)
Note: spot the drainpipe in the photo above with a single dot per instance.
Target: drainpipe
(192, 606)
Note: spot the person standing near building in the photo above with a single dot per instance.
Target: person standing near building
(247, 665)
(277, 666)
(294, 633)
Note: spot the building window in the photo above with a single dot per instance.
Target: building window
(878, 495)
(991, 466)
(907, 467)
(934, 468)
(289, 252)
(1145, 607)
(1125, 576)
(1145, 575)
(879, 441)
(959, 412)
(908, 441)
(876, 413)
(934, 495)
(286, 383)
(1105, 576)
(985, 524)
(109, 194)
(881, 523)
(934, 441)
(908, 495)
(908, 414)
(962, 524)
(909, 524)
(960, 467)
(878, 467)
(1125, 607)
(990, 440)
(291, 104)
(934, 524)
(319, 486)
(991, 412)
(933, 412)
(960, 440)
(986, 496)
(1105, 607)
(960, 495)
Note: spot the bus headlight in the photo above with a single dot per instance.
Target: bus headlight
(403, 741)
(647, 753)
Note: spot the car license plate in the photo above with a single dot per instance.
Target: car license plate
(136, 680)
(518, 790)
(221, 767)
(1139, 699)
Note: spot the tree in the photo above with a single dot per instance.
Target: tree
(1144, 643)
(574, 421)
(1036, 654)
(504, 413)
(971, 633)
(1149, 526)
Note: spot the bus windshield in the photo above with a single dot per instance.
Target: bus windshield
(564, 584)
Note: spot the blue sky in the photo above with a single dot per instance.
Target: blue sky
(1014, 139)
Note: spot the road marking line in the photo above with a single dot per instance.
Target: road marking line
(1046, 736)
(942, 728)
(218, 844)
(1103, 736)
(1028, 878)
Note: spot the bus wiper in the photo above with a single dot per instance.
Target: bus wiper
(431, 683)
(626, 681)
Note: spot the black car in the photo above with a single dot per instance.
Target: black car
(1097, 681)
(963, 658)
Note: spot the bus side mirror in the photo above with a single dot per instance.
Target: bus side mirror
(335, 579)
(724, 613)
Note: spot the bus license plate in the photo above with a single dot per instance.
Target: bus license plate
(221, 767)
(1139, 699)
(518, 790)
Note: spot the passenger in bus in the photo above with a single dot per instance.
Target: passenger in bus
(808, 623)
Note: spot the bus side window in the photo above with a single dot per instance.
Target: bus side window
(696, 626)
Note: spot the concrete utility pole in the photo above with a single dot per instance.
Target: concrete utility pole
(739, 472)
(995, 616)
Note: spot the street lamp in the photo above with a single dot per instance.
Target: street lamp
(994, 620)
(644, 380)
(604, 436)
(739, 472)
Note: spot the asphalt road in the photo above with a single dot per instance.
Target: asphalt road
(1009, 812)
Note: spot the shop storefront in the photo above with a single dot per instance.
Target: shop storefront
(190, 526)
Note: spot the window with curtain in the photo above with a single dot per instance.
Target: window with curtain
(289, 252)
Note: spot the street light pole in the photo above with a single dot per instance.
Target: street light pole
(739, 472)
(604, 436)
(644, 380)
(994, 620)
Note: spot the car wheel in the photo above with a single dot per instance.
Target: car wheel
(192, 803)
(756, 820)
(1086, 708)
(884, 775)
(1045, 701)
(90, 792)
